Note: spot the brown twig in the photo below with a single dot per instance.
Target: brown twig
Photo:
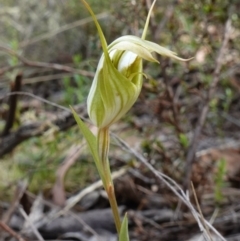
(43, 64)
(11, 232)
(58, 191)
(44, 78)
(204, 111)
(21, 188)
(6, 69)
(35, 97)
(12, 103)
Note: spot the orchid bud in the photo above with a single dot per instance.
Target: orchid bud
(118, 79)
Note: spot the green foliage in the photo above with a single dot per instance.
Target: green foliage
(219, 180)
(227, 99)
(12, 59)
(124, 236)
(77, 87)
(183, 139)
(214, 104)
(9, 174)
(146, 146)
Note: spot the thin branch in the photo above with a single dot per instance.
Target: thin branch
(6, 69)
(34, 229)
(21, 188)
(38, 79)
(43, 64)
(46, 78)
(58, 190)
(37, 98)
(11, 232)
(205, 109)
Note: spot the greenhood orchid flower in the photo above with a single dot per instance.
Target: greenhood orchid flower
(118, 82)
(118, 79)
(115, 88)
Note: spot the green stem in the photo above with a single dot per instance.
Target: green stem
(113, 203)
(103, 140)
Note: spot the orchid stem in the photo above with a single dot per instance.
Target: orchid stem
(113, 203)
(103, 139)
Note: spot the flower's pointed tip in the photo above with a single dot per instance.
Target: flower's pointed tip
(186, 60)
(181, 59)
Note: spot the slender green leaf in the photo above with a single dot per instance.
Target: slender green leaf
(91, 140)
(123, 236)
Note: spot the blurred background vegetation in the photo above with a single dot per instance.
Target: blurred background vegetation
(58, 31)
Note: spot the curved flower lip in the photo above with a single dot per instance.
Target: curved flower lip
(142, 48)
